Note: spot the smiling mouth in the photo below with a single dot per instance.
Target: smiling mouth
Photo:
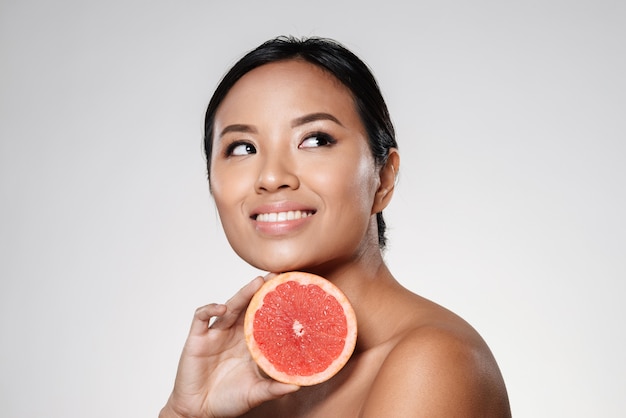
(283, 216)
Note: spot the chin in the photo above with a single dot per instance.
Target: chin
(317, 267)
(281, 264)
(277, 266)
(284, 258)
(276, 259)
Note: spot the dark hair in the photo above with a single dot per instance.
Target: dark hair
(336, 60)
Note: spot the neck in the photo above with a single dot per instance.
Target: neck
(368, 284)
(354, 273)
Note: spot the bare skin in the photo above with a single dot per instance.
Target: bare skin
(413, 357)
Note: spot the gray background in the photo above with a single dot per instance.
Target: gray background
(509, 211)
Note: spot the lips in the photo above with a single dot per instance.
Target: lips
(282, 216)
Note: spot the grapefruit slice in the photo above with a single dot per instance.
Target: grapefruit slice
(300, 328)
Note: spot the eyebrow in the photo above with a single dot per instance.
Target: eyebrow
(239, 127)
(302, 120)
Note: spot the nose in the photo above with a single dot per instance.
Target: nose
(276, 173)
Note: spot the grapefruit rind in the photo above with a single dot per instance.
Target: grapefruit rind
(349, 341)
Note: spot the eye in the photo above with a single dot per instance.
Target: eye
(318, 139)
(239, 148)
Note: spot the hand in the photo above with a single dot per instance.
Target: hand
(216, 376)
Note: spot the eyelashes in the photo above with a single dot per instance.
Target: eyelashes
(317, 139)
(239, 148)
(312, 140)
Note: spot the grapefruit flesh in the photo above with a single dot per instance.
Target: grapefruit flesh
(300, 328)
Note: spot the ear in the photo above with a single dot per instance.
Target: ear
(388, 174)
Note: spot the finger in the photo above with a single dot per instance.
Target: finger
(237, 304)
(203, 315)
(269, 276)
(278, 389)
(268, 390)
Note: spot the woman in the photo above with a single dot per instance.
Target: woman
(300, 126)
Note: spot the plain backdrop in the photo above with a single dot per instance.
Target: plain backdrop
(509, 209)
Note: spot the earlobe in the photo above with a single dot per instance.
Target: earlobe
(388, 176)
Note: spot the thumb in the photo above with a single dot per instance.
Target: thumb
(278, 389)
(269, 390)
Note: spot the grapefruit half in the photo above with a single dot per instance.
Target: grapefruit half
(300, 328)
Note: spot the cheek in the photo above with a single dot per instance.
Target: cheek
(364, 179)
(351, 183)
(228, 192)
(368, 181)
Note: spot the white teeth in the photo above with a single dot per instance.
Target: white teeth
(282, 216)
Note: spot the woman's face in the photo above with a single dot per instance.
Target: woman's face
(292, 174)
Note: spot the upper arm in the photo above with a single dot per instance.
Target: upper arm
(437, 373)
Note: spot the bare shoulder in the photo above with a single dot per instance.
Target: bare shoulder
(439, 368)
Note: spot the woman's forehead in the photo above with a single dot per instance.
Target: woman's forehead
(293, 87)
